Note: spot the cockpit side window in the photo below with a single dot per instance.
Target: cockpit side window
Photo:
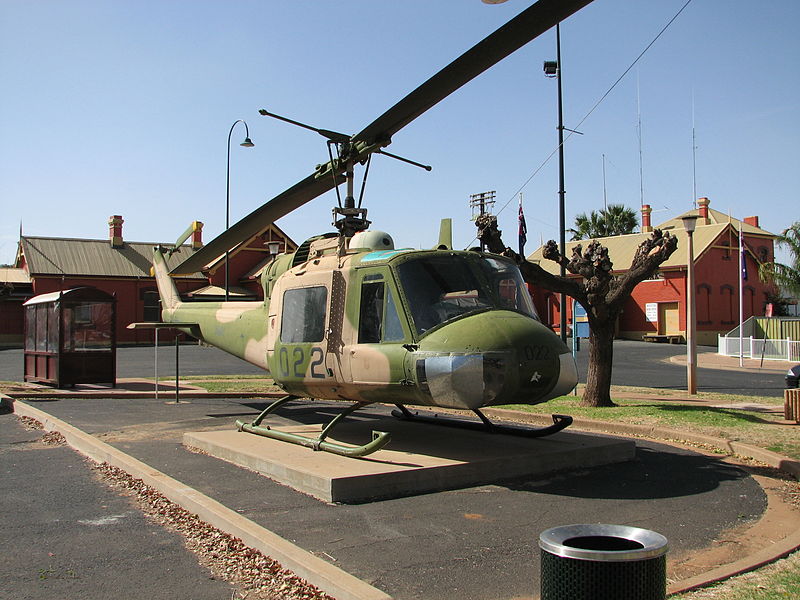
(370, 318)
(378, 319)
(303, 318)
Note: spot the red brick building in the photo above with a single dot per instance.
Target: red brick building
(122, 268)
(658, 306)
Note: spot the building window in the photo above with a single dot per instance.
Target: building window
(726, 305)
(726, 253)
(703, 304)
(553, 313)
(152, 306)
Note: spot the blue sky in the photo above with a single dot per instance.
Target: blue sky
(112, 107)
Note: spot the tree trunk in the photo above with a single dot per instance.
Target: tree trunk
(601, 358)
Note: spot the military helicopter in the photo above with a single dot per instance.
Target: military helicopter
(349, 316)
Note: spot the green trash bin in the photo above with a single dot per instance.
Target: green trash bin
(602, 562)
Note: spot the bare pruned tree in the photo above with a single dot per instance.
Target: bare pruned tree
(598, 290)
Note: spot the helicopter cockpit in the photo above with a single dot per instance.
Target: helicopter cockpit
(440, 288)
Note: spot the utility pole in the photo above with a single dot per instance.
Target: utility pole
(483, 203)
(553, 69)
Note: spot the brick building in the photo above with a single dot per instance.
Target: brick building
(658, 305)
(122, 268)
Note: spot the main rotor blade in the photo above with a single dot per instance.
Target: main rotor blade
(520, 30)
(281, 205)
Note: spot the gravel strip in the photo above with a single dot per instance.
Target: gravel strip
(255, 575)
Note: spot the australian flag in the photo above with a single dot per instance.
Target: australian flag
(523, 231)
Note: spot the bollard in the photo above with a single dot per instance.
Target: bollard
(603, 562)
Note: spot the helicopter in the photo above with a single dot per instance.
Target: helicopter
(349, 316)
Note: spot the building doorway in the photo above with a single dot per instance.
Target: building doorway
(669, 319)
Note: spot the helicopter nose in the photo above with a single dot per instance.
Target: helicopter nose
(567, 377)
(497, 357)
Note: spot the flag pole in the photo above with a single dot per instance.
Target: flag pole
(741, 296)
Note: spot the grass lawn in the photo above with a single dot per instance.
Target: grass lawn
(763, 427)
(778, 581)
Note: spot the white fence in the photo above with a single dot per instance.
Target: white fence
(760, 348)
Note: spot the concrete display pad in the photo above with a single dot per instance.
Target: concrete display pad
(419, 459)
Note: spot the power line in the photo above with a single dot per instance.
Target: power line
(602, 98)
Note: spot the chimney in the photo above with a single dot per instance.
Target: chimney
(646, 210)
(751, 221)
(197, 235)
(115, 231)
(702, 206)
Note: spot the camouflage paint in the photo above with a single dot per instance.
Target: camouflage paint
(492, 357)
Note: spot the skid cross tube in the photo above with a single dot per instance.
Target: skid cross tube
(379, 438)
(559, 422)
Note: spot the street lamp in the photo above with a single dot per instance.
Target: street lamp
(552, 69)
(247, 143)
(689, 223)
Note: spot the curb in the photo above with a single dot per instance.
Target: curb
(166, 396)
(680, 359)
(325, 576)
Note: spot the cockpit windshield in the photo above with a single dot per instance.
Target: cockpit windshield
(443, 287)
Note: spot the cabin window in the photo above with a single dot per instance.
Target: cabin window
(378, 319)
(303, 318)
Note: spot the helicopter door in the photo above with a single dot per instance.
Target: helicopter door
(376, 356)
(297, 339)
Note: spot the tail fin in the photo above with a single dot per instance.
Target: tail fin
(170, 299)
(445, 235)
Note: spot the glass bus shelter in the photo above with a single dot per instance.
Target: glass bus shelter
(70, 338)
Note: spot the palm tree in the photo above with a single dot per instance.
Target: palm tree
(785, 277)
(617, 219)
(588, 226)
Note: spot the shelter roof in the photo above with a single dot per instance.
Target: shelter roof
(66, 256)
(14, 276)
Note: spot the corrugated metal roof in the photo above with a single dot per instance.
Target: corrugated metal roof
(11, 275)
(622, 248)
(64, 256)
(714, 218)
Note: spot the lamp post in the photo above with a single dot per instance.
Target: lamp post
(247, 143)
(689, 224)
(552, 69)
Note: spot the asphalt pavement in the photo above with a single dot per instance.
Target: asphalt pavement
(68, 535)
(635, 364)
(65, 534)
(478, 543)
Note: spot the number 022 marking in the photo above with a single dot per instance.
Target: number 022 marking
(316, 355)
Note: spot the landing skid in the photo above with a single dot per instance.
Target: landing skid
(559, 422)
(379, 438)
